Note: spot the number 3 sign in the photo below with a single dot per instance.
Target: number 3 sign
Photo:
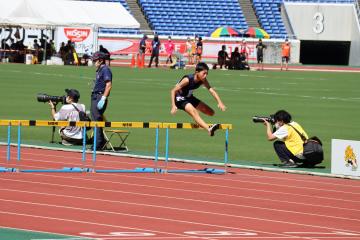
(319, 23)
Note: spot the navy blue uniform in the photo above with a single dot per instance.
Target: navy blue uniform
(103, 75)
(155, 52)
(185, 96)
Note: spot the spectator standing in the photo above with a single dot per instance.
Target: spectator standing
(260, 47)
(142, 49)
(52, 48)
(69, 56)
(189, 50)
(243, 48)
(37, 49)
(62, 51)
(100, 94)
(155, 50)
(199, 50)
(285, 54)
(169, 48)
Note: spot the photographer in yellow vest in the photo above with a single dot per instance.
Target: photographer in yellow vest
(289, 146)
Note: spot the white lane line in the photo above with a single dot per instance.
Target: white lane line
(202, 201)
(91, 223)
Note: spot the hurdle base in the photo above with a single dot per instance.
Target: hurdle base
(4, 169)
(63, 170)
(205, 170)
(136, 170)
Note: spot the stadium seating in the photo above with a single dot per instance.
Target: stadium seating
(115, 30)
(197, 17)
(268, 13)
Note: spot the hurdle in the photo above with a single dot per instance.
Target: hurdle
(95, 125)
(168, 126)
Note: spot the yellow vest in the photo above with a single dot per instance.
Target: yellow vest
(293, 141)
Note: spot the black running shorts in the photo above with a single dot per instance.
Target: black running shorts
(181, 102)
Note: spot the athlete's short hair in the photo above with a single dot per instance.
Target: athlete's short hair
(201, 66)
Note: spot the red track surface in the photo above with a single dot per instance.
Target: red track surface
(247, 205)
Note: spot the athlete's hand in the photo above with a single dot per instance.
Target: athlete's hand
(222, 106)
(101, 103)
(173, 110)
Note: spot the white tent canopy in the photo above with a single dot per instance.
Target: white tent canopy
(52, 13)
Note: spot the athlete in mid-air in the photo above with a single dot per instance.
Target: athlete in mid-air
(182, 97)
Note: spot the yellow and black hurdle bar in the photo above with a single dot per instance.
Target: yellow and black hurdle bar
(95, 125)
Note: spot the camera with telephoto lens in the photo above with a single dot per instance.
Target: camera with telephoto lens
(260, 119)
(43, 97)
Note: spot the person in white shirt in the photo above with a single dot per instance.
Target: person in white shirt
(70, 135)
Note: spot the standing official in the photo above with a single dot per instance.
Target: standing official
(285, 54)
(100, 94)
(260, 47)
(155, 50)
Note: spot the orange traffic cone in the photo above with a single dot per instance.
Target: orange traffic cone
(138, 60)
(132, 64)
(143, 61)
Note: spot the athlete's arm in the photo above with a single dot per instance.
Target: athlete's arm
(215, 95)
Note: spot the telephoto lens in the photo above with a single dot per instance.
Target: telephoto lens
(43, 97)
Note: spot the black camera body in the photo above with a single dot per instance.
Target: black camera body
(259, 119)
(43, 97)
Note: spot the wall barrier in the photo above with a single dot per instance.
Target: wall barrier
(95, 125)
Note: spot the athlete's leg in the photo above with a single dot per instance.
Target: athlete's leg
(191, 110)
(205, 109)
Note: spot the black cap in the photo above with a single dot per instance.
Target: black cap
(98, 55)
(73, 93)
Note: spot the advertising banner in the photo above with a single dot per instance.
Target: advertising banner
(82, 38)
(119, 46)
(26, 35)
(345, 155)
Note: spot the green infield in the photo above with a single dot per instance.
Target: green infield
(326, 104)
(19, 234)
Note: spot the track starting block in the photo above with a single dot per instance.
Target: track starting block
(205, 170)
(136, 170)
(3, 169)
(63, 170)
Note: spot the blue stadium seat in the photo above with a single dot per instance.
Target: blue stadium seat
(186, 19)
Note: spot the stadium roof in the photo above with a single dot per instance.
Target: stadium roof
(51, 13)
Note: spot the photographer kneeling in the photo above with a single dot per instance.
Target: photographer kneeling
(69, 112)
(290, 148)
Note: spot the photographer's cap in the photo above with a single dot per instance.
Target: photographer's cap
(73, 93)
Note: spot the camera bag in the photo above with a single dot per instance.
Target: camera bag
(313, 151)
(83, 116)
